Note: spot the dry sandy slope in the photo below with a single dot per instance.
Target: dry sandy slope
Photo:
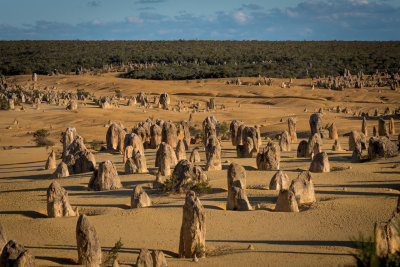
(349, 201)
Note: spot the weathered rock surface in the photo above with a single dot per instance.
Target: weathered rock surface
(88, 244)
(320, 163)
(105, 177)
(186, 175)
(51, 162)
(57, 202)
(381, 147)
(14, 254)
(139, 198)
(269, 158)
(303, 188)
(286, 202)
(279, 181)
(192, 239)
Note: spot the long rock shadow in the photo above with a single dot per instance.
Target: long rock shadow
(378, 185)
(25, 190)
(351, 193)
(121, 206)
(29, 177)
(21, 163)
(58, 260)
(110, 193)
(336, 243)
(27, 213)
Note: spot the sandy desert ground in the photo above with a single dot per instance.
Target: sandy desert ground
(349, 201)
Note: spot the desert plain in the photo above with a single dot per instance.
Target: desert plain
(350, 198)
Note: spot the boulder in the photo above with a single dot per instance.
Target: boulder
(115, 137)
(357, 139)
(165, 159)
(58, 202)
(315, 123)
(169, 134)
(105, 177)
(392, 130)
(78, 158)
(320, 163)
(186, 175)
(364, 127)
(269, 158)
(144, 259)
(195, 156)
(130, 166)
(336, 146)
(139, 160)
(139, 198)
(51, 162)
(180, 150)
(279, 181)
(292, 128)
(68, 137)
(381, 147)
(155, 136)
(234, 127)
(314, 145)
(88, 244)
(333, 134)
(158, 259)
(61, 171)
(302, 149)
(133, 140)
(164, 101)
(192, 239)
(14, 254)
(213, 154)
(236, 172)
(303, 188)
(286, 201)
(285, 142)
(237, 198)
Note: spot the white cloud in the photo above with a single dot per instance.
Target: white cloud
(134, 20)
(240, 17)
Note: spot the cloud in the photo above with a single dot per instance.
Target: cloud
(94, 3)
(252, 7)
(240, 17)
(308, 20)
(149, 1)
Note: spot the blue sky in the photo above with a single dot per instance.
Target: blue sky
(200, 19)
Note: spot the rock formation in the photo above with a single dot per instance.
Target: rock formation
(286, 201)
(192, 239)
(58, 202)
(279, 181)
(105, 177)
(88, 244)
(320, 163)
(269, 158)
(213, 154)
(292, 128)
(14, 254)
(139, 198)
(303, 188)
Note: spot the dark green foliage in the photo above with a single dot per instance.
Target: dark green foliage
(112, 254)
(4, 104)
(40, 138)
(168, 60)
(118, 93)
(200, 188)
(82, 92)
(95, 144)
(223, 131)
